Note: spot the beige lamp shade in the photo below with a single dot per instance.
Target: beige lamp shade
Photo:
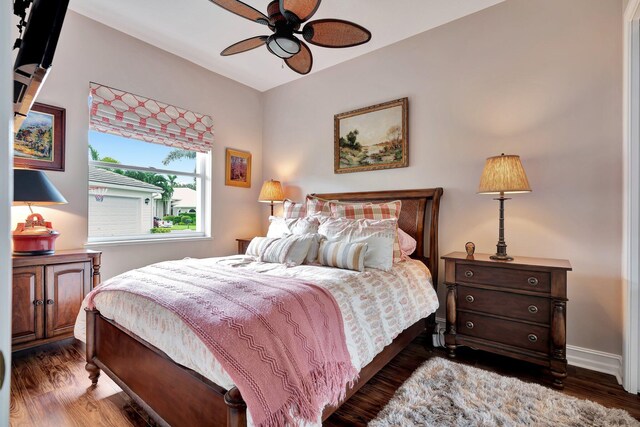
(503, 174)
(271, 192)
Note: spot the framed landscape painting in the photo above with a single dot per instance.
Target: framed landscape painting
(238, 168)
(39, 143)
(372, 138)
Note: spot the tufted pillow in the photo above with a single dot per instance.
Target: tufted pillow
(370, 211)
(342, 255)
(378, 234)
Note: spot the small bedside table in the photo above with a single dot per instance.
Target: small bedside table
(515, 308)
(243, 244)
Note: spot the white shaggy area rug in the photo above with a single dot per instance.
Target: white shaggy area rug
(445, 393)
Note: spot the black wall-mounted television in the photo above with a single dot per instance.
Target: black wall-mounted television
(35, 53)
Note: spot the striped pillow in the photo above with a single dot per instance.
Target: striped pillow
(342, 255)
(292, 209)
(371, 211)
(318, 206)
(258, 245)
(290, 250)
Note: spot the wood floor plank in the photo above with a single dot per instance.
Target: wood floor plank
(50, 387)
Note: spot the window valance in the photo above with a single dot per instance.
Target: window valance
(133, 116)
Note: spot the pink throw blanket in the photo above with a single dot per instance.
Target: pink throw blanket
(280, 340)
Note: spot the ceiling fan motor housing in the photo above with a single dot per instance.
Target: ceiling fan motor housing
(282, 43)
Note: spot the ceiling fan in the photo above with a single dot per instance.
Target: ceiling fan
(285, 19)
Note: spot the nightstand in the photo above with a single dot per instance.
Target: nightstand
(243, 244)
(515, 308)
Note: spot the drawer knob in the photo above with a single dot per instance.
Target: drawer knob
(533, 338)
(470, 298)
(468, 273)
(533, 309)
(50, 302)
(469, 325)
(38, 302)
(532, 281)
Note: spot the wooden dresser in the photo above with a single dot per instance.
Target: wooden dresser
(47, 294)
(515, 308)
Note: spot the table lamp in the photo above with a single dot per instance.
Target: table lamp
(271, 192)
(35, 236)
(502, 175)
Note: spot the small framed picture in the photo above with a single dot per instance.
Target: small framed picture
(238, 168)
(39, 143)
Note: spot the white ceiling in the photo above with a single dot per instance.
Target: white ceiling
(198, 30)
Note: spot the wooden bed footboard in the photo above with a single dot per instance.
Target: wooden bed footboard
(171, 394)
(174, 395)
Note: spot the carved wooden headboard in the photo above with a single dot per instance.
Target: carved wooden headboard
(419, 213)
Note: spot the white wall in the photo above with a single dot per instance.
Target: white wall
(89, 51)
(541, 79)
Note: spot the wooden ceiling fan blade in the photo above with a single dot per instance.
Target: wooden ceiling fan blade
(242, 9)
(302, 61)
(244, 45)
(301, 9)
(335, 33)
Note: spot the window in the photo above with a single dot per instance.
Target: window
(148, 172)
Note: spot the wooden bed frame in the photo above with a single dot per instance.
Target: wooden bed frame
(174, 395)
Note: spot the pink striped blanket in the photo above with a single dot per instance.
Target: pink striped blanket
(280, 340)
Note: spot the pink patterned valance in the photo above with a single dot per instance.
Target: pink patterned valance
(132, 116)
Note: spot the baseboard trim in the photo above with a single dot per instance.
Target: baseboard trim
(587, 358)
(595, 360)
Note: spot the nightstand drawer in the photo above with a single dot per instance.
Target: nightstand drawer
(536, 281)
(525, 307)
(508, 332)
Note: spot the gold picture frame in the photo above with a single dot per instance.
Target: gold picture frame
(238, 168)
(372, 138)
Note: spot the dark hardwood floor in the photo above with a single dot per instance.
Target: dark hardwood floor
(49, 387)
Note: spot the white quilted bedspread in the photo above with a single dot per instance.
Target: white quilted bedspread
(376, 306)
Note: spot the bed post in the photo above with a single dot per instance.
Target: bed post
(236, 408)
(434, 256)
(92, 368)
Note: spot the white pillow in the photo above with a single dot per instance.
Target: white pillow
(379, 235)
(280, 227)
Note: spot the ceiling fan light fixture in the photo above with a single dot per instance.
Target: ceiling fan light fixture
(283, 46)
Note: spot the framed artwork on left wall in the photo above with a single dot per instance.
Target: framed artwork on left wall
(39, 143)
(238, 168)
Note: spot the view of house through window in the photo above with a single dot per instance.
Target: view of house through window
(143, 190)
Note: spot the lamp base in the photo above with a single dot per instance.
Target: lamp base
(501, 257)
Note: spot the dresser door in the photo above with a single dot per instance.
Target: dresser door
(66, 286)
(28, 305)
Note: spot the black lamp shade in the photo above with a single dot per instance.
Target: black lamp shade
(33, 187)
